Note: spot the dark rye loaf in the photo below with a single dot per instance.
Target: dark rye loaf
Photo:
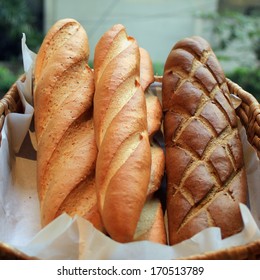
(206, 177)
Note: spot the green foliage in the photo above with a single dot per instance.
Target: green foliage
(7, 78)
(91, 64)
(230, 27)
(248, 79)
(234, 26)
(16, 18)
(158, 68)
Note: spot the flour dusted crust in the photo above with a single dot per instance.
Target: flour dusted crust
(120, 119)
(63, 102)
(206, 177)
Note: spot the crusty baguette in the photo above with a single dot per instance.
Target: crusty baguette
(154, 121)
(120, 121)
(63, 102)
(65, 45)
(204, 162)
(151, 223)
(146, 69)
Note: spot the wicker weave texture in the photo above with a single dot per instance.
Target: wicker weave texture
(10, 103)
(249, 114)
(246, 252)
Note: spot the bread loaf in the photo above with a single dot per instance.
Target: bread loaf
(151, 222)
(151, 225)
(206, 178)
(120, 120)
(63, 102)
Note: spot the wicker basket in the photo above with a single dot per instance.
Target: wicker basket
(249, 114)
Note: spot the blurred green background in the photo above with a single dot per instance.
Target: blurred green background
(17, 17)
(232, 28)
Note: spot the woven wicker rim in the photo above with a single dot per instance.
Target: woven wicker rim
(9, 103)
(8, 252)
(244, 252)
(249, 114)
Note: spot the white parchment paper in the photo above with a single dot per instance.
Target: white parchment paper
(76, 238)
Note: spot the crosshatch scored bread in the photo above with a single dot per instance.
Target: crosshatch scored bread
(206, 177)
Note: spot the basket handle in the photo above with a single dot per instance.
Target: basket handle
(249, 114)
(9, 103)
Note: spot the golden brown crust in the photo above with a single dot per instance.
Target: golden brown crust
(63, 101)
(82, 201)
(146, 69)
(204, 161)
(63, 118)
(124, 155)
(157, 168)
(151, 222)
(154, 114)
(65, 46)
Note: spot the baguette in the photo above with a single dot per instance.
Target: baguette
(63, 102)
(120, 121)
(205, 171)
(151, 223)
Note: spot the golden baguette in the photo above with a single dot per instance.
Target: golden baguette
(120, 120)
(63, 102)
(151, 223)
